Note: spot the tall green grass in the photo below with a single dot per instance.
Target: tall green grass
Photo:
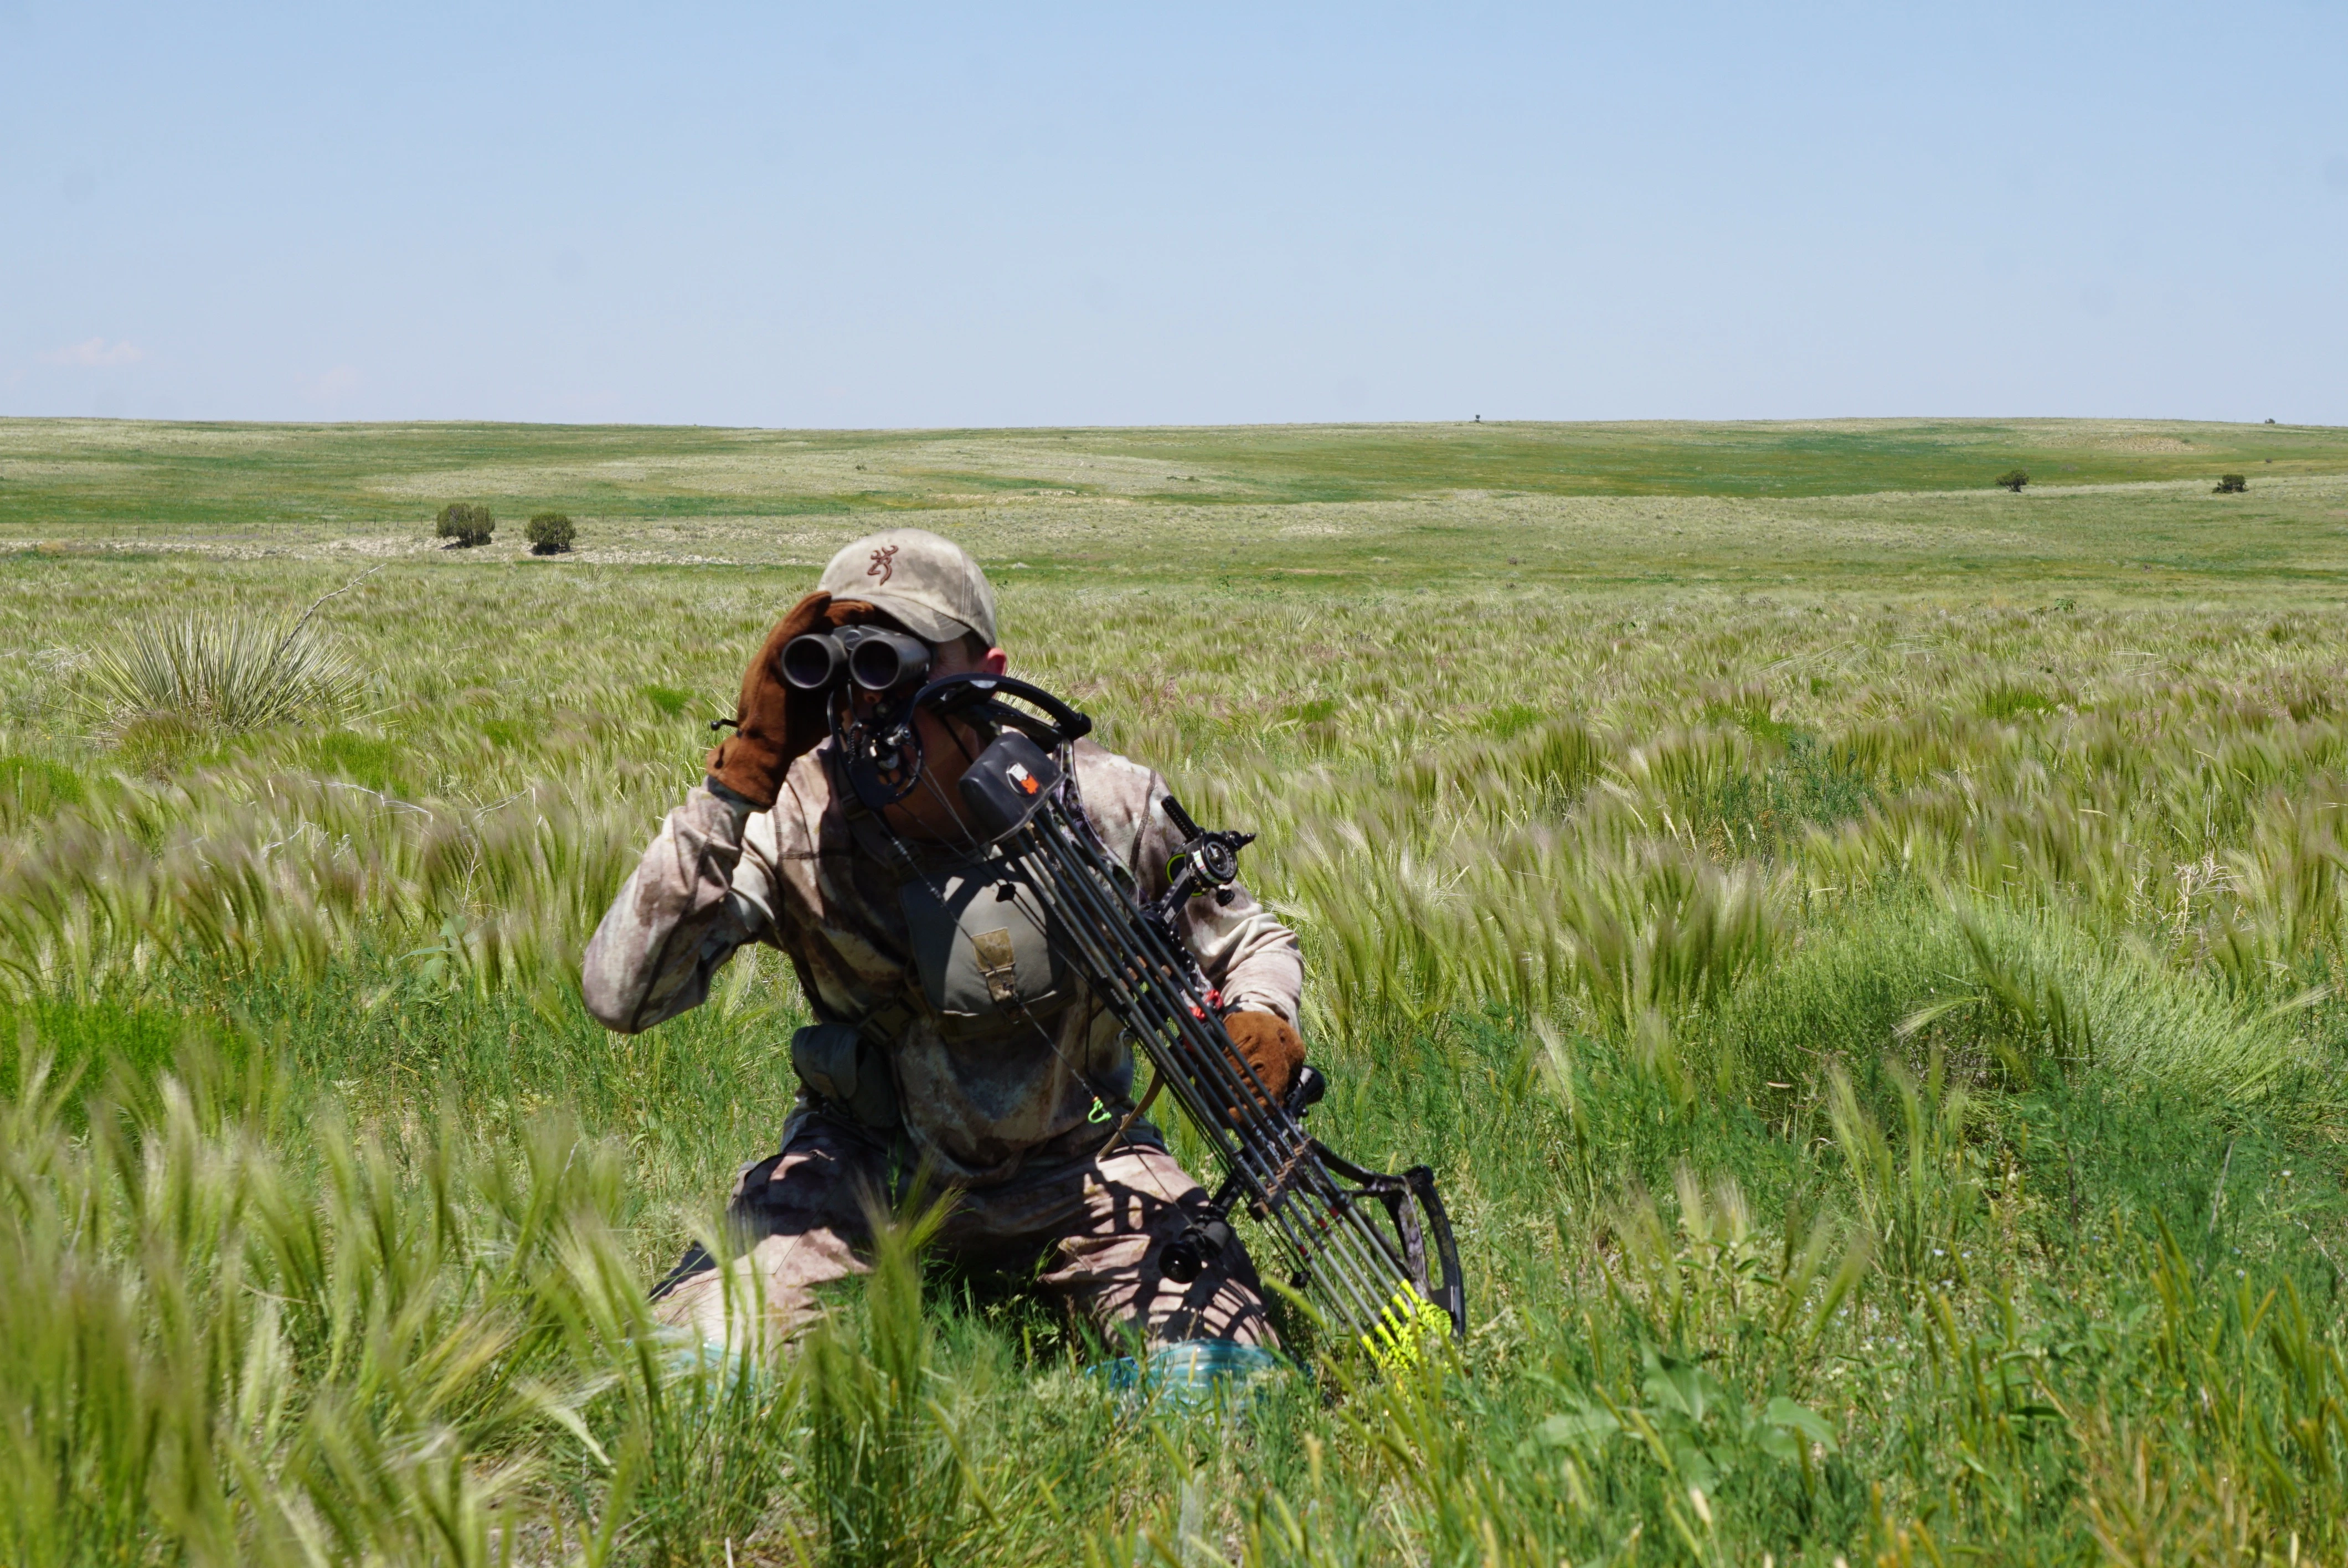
(1881, 1058)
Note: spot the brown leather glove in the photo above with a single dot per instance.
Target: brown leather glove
(775, 724)
(1270, 1045)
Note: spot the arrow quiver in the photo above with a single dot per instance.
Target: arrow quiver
(1373, 1253)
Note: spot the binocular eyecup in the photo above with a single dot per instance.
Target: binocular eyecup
(873, 659)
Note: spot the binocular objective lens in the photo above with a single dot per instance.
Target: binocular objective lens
(812, 662)
(884, 661)
(875, 660)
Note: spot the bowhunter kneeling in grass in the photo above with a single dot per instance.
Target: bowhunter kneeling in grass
(950, 1039)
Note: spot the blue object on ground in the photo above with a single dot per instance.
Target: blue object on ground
(1191, 1374)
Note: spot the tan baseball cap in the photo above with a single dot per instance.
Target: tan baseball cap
(926, 583)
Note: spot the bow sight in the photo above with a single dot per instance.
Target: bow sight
(1374, 1252)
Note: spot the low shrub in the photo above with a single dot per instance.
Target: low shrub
(2014, 480)
(466, 524)
(212, 673)
(2231, 485)
(550, 534)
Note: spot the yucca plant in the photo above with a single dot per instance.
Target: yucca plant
(222, 673)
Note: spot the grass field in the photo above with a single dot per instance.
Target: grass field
(1862, 948)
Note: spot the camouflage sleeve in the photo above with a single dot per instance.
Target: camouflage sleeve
(679, 917)
(1251, 957)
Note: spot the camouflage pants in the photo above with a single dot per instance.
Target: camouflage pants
(1088, 1232)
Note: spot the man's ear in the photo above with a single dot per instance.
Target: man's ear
(996, 662)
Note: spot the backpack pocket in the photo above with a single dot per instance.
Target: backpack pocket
(841, 1065)
(979, 947)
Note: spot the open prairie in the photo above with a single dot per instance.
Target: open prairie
(2114, 506)
(1860, 946)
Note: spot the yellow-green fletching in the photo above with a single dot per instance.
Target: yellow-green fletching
(1403, 1329)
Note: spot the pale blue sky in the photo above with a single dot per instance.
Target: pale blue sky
(878, 215)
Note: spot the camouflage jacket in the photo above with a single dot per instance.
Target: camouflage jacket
(980, 1091)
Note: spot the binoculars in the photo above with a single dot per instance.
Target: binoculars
(876, 660)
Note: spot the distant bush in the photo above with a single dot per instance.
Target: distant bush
(467, 524)
(2231, 485)
(2014, 480)
(550, 534)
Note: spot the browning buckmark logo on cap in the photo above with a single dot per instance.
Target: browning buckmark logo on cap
(926, 583)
